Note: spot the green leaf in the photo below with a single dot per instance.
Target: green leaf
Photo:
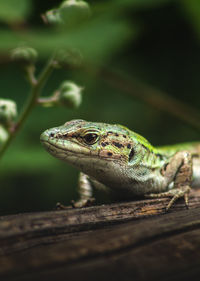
(14, 10)
(192, 13)
(139, 3)
(96, 40)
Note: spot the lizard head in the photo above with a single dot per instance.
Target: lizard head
(94, 148)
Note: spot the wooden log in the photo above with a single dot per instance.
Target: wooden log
(134, 240)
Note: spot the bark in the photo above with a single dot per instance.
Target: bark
(134, 240)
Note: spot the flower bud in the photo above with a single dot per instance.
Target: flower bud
(73, 12)
(3, 135)
(25, 55)
(8, 112)
(69, 58)
(70, 94)
(52, 17)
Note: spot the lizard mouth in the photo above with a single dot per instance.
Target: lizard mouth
(55, 149)
(61, 146)
(64, 151)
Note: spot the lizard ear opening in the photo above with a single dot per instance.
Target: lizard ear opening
(131, 155)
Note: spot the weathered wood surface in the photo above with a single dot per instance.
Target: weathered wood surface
(126, 241)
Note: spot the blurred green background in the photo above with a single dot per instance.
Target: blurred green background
(155, 42)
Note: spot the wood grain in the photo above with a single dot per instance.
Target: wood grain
(134, 240)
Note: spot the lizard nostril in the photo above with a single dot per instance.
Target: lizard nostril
(51, 135)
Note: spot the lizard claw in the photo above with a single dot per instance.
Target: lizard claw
(83, 203)
(179, 193)
(60, 206)
(175, 193)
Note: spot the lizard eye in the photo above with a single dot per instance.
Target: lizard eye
(90, 138)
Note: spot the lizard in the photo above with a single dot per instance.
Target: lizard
(114, 158)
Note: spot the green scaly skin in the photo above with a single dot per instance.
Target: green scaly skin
(113, 157)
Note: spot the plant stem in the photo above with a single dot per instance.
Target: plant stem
(36, 89)
(49, 101)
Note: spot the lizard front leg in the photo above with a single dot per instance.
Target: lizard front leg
(178, 171)
(85, 192)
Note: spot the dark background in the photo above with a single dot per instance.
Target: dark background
(154, 42)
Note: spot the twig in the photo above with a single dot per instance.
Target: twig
(148, 94)
(36, 88)
(126, 241)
